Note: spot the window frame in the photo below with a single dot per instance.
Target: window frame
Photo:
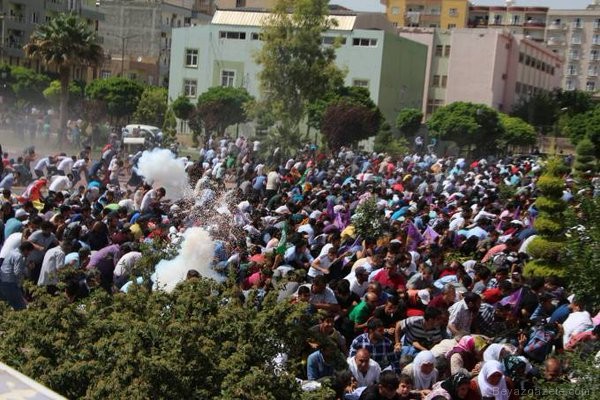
(189, 84)
(188, 55)
(222, 76)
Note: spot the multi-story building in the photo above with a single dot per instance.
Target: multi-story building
(370, 51)
(575, 36)
(446, 14)
(527, 21)
(487, 66)
(137, 37)
(20, 18)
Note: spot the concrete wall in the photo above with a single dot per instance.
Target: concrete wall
(425, 37)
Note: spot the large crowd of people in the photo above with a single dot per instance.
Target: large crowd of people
(434, 306)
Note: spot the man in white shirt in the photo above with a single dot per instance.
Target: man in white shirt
(60, 183)
(365, 370)
(359, 281)
(152, 196)
(54, 259)
(65, 165)
(42, 165)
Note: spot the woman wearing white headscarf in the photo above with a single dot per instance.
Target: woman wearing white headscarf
(493, 384)
(424, 372)
(496, 352)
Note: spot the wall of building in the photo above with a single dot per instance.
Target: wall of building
(426, 38)
(455, 14)
(575, 35)
(400, 81)
(402, 76)
(471, 65)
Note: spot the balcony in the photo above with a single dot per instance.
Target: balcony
(555, 42)
(571, 72)
(557, 26)
(595, 42)
(592, 73)
(574, 57)
(575, 41)
(533, 23)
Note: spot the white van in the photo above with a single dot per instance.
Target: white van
(149, 132)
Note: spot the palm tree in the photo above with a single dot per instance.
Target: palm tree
(63, 43)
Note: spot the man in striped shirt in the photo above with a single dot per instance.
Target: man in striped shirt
(415, 334)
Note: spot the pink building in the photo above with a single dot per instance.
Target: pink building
(488, 66)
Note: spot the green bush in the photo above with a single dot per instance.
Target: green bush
(542, 269)
(548, 226)
(550, 206)
(551, 186)
(546, 250)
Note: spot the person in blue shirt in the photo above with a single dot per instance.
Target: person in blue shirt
(318, 364)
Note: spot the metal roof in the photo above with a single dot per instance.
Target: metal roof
(251, 18)
(16, 386)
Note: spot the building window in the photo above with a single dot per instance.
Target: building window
(573, 54)
(590, 86)
(439, 50)
(232, 35)
(240, 3)
(191, 58)
(452, 12)
(360, 83)
(436, 81)
(444, 80)
(596, 39)
(364, 42)
(571, 69)
(105, 73)
(576, 23)
(597, 23)
(516, 20)
(433, 105)
(35, 18)
(255, 36)
(331, 40)
(446, 51)
(521, 57)
(570, 85)
(593, 70)
(395, 10)
(576, 39)
(227, 78)
(451, 26)
(190, 87)
(594, 55)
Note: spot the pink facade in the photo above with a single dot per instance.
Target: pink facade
(497, 68)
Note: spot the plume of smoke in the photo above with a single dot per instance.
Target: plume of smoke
(197, 252)
(160, 167)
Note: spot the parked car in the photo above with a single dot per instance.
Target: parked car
(151, 133)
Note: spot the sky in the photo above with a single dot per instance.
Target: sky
(375, 5)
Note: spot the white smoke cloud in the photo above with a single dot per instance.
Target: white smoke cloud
(159, 167)
(197, 251)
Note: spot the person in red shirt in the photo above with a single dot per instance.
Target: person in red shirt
(390, 277)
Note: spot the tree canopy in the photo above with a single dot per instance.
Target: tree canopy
(152, 107)
(348, 94)
(409, 121)
(516, 132)
(296, 68)
(222, 106)
(467, 124)
(182, 107)
(347, 123)
(121, 95)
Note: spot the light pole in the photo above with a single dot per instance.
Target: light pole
(123, 40)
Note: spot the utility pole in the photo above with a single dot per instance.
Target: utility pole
(123, 41)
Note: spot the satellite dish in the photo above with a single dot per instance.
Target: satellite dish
(139, 59)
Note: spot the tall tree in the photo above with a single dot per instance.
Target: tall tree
(296, 68)
(152, 107)
(63, 43)
(120, 95)
(220, 107)
(516, 132)
(468, 125)
(346, 123)
(409, 121)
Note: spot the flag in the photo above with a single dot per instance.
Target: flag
(430, 235)
(513, 300)
(414, 237)
(281, 247)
